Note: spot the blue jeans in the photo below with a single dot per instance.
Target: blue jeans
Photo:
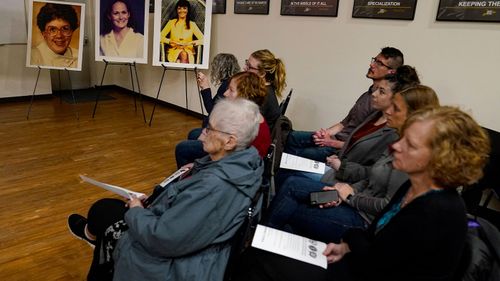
(194, 134)
(290, 211)
(283, 174)
(301, 143)
(187, 151)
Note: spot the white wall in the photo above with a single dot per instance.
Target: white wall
(15, 78)
(327, 58)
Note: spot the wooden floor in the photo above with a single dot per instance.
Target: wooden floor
(41, 160)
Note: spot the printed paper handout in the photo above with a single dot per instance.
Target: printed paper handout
(293, 162)
(113, 188)
(290, 245)
(126, 193)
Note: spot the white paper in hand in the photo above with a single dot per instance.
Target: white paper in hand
(290, 245)
(113, 188)
(293, 162)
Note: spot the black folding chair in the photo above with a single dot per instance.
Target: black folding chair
(243, 237)
(489, 185)
(284, 103)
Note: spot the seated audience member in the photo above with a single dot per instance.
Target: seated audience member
(243, 85)
(223, 66)
(370, 139)
(421, 232)
(324, 142)
(272, 70)
(363, 192)
(56, 22)
(182, 233)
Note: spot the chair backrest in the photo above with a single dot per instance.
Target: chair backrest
(491, 179)
(241, 240)
(284, 103)
(480, 260)
(268, 176)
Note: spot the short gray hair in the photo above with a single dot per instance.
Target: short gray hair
(239, 117)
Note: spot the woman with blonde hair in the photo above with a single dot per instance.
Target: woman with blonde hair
(272, 69)
(420, 234)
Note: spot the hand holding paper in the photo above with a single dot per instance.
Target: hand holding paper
(293, 162)
(290, 245)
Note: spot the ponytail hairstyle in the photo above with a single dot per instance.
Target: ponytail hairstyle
(419, 96)
(273, 69)
(405, 77)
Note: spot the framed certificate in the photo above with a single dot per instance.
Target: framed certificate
(324, 8)
(257, 7)
(394, 9)
(219, 7)
(463, 10)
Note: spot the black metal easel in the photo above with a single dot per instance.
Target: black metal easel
(130, 65)
(165, 68)
(75, 109)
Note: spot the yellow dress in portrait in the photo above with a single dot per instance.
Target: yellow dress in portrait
(180, 34)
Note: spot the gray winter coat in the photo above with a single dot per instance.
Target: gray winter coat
(184, 234)
(366, 150)
(373, 185)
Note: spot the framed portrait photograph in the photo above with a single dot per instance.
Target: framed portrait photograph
(256, 7)
(324, 8)
(121, 30)
(182, 33)
(218, 7)
(393, 9)
(55, 35)
(463, 10)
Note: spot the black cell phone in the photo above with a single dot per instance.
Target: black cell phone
(322, 197)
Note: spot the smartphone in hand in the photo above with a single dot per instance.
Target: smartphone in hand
(322, 197)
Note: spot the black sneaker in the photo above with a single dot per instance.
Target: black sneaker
(76, 225)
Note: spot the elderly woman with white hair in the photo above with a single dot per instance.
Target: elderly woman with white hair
(183, 233)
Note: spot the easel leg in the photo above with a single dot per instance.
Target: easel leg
(140, 94)
(198, 87)
(75, 108)
(133, 88)
(33, 95)
(186, 86)
(157, 95)
(60, 87)
(99, 92)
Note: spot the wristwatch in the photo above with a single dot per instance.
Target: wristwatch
(348, 199)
